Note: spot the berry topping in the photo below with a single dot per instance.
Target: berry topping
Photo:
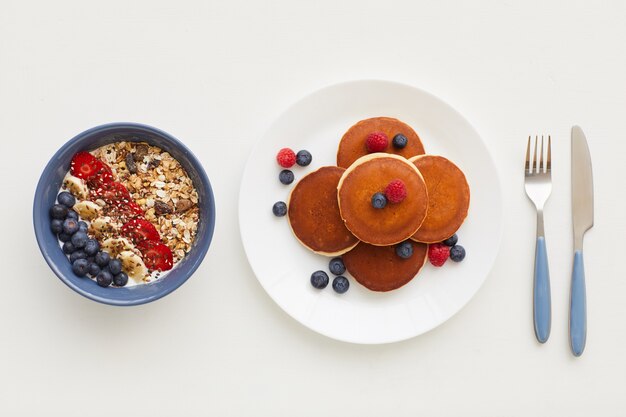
(138, 229)
(279, 209)
(341, 284)
(104, 278)
(379, 201)
(319, 279)
(395, 191)
(70, 226)
(103, 173)
(56, 226)
(84, 165)
(303, 158)
(457, 253)
(71, 214)
(451, 241)
(94, 269)
(376, 142)
(58, 211)
(64, 237)
(79, 239)
(156, 255)
(91, 247)
(77, 254)
(336, 266)
(102, 259)
(113, 193)
(285, 176)
(438, 254)
(404, 250)
(80, 267)
(68, 248)
(82, 226)
(66, 199)
(120, 279)
(115, 266)
(399, 141)
(131, 209)
(286, 158)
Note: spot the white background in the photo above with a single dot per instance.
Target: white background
(215, 75)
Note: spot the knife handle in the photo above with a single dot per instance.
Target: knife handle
(542, 314)
(578, 306)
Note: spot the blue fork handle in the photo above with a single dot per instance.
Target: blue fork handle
(578, 306)
(542, 313)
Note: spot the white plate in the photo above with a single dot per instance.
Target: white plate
(283, 266)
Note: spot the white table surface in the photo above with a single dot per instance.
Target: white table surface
(216, 74)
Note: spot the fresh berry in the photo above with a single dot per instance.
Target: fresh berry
(64, 237)
(71, 214)
(91, 247)
(78, 254)
(303, 158)
(404, 250)
(94, 269)
(139, 229)
(113, 193)
(58, 211)
(279, 209)
(84, 165)
(70, 226)
(285, 176)
(80, 267)
(156, 255)
(379, 201)
(79, 239)
(129, 209)
(286, 158)
(457, 253)
(56, 226)
(69, 248)
(120, 279)
(115, 266)
(103, 174)
(451, 241)
(83, 227)
(104, 279)
(319, 279)
(336, 266)
(395, 191)
(102, 259)
(438, 254)
(376, 142)
(66, 199)
(399, 141)
(341, 284)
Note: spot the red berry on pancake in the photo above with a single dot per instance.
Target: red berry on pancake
(395, 191)
(286, 158)
(376, 142)
(156, 255)
(438, 254)
(139, 229)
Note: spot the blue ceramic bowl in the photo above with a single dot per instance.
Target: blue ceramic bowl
(51, 180)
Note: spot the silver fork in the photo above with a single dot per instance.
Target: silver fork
(538, 184)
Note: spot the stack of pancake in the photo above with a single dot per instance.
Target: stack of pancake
(330, 210)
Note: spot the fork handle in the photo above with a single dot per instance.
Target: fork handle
(578, 306)
(542, 313)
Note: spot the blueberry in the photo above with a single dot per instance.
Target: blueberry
(80, 267)
(303, 158)
(70, 226)
(64, 237)
(279, 209)
(451, 241)
(285, 176)
(399, 141)
(56, 226)
(94, 269)
(102, 259)
(71, 214)
(66, 199)
(457, 253)
(336, 266)
(78, 254)
(58, 211)
(79, 239)
(104, 279)
(115, 266)
(83, 227)
(404, 250)
(319, 279)
(341, 284)
(69, 248)
(120, 279)
(379, 200)
(91, 247)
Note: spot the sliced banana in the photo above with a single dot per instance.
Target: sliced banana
(103, 225)
(87, 209)
(133, 265)
(116, 245)
(76, 186)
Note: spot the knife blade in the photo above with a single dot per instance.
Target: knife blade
(582, 220)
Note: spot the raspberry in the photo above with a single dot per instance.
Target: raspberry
(286, 158)
(438, 254)
(395, 191)
(376, 142)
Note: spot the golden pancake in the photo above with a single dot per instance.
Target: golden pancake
(448, 198)
(313, 213)
(378, 268)
(352, 145)
(394, 223)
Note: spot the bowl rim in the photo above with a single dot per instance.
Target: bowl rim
(210, 218)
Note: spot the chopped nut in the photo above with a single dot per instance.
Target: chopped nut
(140, 152)
(130, 163)
(183, 205)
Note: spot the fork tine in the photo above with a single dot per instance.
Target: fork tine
(549, 158)
(541, 156)
(535, 155)
(527, 167)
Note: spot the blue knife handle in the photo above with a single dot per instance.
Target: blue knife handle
(578, 306)
(542, 314)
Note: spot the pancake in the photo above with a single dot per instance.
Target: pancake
(314, 213)
(352, 144)
(448, 198)
(378, 268)
(394, 223)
